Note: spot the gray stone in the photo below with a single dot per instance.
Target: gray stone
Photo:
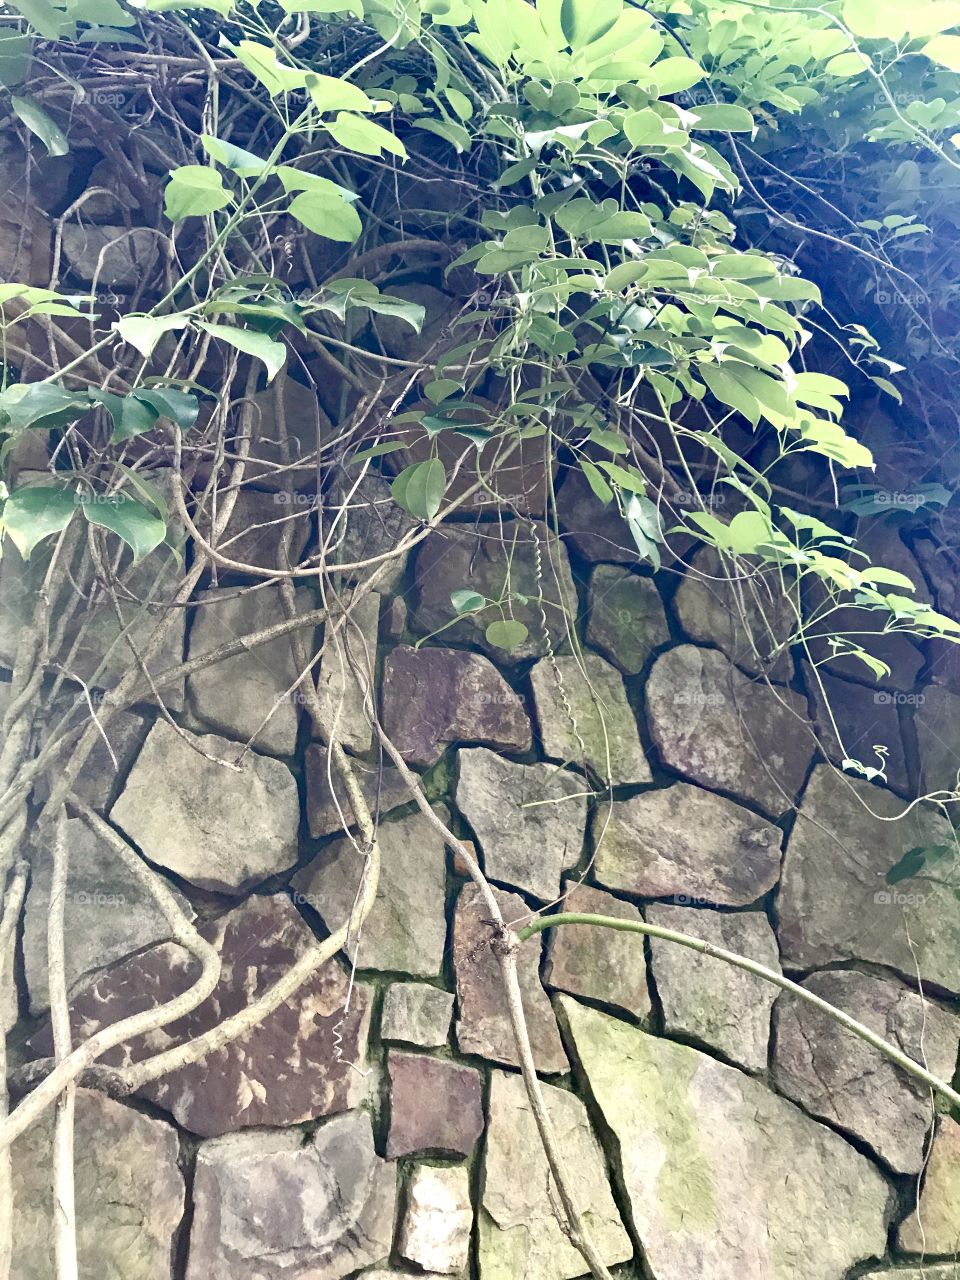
(483, 1022)
(706, 999)
(934, 1226)
(107, 912)
(595, 531)
(258, 524)
(937, 721)
(866, 718)
(717, 728)
(304, 426)
(525, 842)
(834, 902)
(519, 1232)
(105, 768)
(110, 257)
(626, 620)
(495, 561)
(740, 609)
(406, 931)
(221, 828)
(689, 844)
(582, 700)
(598, 963)
(436, 1106)
(435, 1231)
(434, 697)
(362, 522)
(342, 691)
(724, 1178)
(327, 800)
(837, 1077)
(235, 696)
(275, 1205)
(129, 1194)
(302, 1061)
(416, 1013)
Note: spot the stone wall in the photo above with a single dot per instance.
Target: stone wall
(378, 1127)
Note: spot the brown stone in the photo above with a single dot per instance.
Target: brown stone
(626, 619)
(836, 1076)
(435, 1106)
(688, 844)
(866, 718)
(258, 523)
(435, 697)
(594, 531)
(934, 1226)
(719, 729)
(290, 1068)
(597, 963)
(483, 1023)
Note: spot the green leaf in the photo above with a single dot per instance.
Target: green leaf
(359, 134)
(273, 354)
(130, 416)
(38, 122)
(141, 530)
(244, 163)
(644, 128)
(596, 481)
(326, 215)
(39, 404)
(466, 601)
(194, 190)
(643, 520)
(420, 487)
(262, 63)
(723, 117)
(332, 94)
(507, 634)
(945, 50)
(673, 75)
(15, 51)
(31, 514)
(179, 406)
(47, 21)
(584, 21)
(144, 332)
(375, 451)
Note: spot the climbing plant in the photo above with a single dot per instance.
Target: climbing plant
(583, 175)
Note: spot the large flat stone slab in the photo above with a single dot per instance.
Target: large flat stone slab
(529, 819)
(406, 931)
(276, 1205)
(482, 1021)
(363, 525)
(519, 1233)
(435, 1231)
(107, 914)
(236, 696)
(716, 727)
(435, 697)
(834, 902)
(345, 691)
(724, 1178)
(416, 1013)
(837, 1077)
(594, 962)
(585, 719)
(302, 1061)
(688, 844)
(741, 609)
(129, 1194)
(937, 722)
(868, 723)
(436, 1106)
(258, 525)
(707, 1000)
(626, 619)
(218, 827)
